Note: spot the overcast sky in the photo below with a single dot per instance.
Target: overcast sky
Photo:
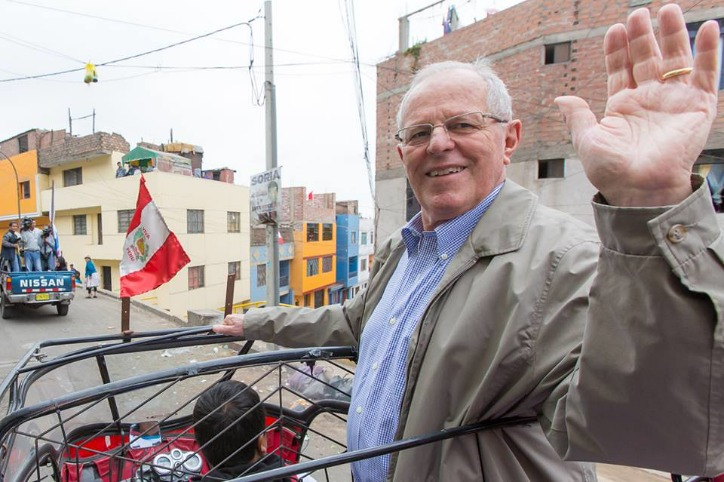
(203, 89)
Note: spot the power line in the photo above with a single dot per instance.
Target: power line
(148, 52)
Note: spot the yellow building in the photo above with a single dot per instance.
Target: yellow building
(94, 208)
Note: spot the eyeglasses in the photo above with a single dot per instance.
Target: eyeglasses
(456, 126)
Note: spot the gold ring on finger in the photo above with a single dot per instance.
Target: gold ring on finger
(676, 72)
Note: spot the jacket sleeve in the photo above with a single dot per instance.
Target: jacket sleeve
(7, 243)
(648, 389)
(332, 325)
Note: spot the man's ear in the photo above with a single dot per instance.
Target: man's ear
(512, 138)
(261, 444)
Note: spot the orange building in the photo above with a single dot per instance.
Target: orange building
(313, 268)
(21, 178)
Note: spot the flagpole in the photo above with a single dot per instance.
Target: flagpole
(272, 229)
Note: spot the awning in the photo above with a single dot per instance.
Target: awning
(141, 156)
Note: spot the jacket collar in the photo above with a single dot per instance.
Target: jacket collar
(501, 230)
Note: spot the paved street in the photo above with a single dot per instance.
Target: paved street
(101, 316)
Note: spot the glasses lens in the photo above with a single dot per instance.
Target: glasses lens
(465, 123)
(416, 135)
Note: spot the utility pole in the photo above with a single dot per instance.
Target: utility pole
(272, 230)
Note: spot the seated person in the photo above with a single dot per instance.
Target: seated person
(231, 410)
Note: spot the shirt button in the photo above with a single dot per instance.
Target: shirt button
(359, 409)
(676, 233)
(374, 366)
(443, 256)
(393, 321)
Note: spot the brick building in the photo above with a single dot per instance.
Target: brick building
(541, 49)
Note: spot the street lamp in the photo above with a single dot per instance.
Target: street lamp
(17, 181)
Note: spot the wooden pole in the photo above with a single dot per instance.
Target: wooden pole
(126, 315)
(229, 305)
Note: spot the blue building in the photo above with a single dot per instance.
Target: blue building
(259, 260)
(347, 284)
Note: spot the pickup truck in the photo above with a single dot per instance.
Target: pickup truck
(35, 289)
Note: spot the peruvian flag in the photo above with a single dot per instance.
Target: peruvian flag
(152, 254)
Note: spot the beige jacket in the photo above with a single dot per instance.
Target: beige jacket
(503, 336)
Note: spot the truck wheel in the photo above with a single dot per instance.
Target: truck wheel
(7, 312)
(62, 309)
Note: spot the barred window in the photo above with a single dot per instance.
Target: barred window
(312, 266)
(233, 221)
(194, 221)
(196, 277)
(326, 264)
(260, 275)
(79, 224)
(124, 219)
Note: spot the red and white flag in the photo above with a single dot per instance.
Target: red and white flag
(152, 254)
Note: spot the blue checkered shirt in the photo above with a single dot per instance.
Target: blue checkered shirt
(379, 381)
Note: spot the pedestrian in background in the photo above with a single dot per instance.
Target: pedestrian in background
(92, 280)
(76, 273)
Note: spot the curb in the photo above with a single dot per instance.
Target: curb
(146, 307)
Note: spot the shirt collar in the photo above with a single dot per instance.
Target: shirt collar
(452, 233)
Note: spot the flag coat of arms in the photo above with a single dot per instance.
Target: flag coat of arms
(152, 254)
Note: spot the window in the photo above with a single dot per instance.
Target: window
(551, 168)
(72, 177)
(363, 238)
(326, 264)
(318, 298)
(412, 207)
(312, 232)
(233, 222)
(260, 275)
(23, 144)
(710, 166)
(235, 269)
(353, 237)
(25, 190)
(312, 266)
(196, 277)
(363, 265)
(124, 219)
(693, 28)
(327, 232)
(194, 221)
(353, 266)
(79, 225)
(557, 53)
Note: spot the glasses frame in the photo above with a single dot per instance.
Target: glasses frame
(485, 115)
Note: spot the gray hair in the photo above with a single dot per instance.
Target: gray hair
(499, 102)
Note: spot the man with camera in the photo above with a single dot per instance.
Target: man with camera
(47, 249)
(30, 242)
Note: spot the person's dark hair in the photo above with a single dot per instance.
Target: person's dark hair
(61, 263)
(231, 410)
